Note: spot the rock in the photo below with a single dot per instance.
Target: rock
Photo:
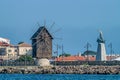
(42, 62)
(4, 71)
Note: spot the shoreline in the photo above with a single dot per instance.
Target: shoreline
(82, 69)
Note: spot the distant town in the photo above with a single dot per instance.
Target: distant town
(41, 47)
(13, 52)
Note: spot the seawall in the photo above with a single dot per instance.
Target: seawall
(82, 69)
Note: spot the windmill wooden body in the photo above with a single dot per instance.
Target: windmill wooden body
(42, 43)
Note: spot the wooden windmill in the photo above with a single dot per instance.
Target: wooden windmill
(42, 43)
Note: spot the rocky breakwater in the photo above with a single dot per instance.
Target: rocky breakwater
(62, 70)
(87, 69)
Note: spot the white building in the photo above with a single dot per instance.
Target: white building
(24, 49)
(101, 50)
(10, 52)
(3, 40)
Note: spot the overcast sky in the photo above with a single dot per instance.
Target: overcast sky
(79, 21)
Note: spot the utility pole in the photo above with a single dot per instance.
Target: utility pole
(87, 46)
(57, 52)
(111, 50)
(62, 52)
(25, 59)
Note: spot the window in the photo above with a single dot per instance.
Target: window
(9, 50)
(10, 55)
(15, 50)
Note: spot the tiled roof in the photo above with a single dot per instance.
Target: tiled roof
(81, 58)
(75, 58)
(4, 40)
(109, 58)
(4, 44)
(24, 45)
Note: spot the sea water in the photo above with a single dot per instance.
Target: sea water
(57, 77)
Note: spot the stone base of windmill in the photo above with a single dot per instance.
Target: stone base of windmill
(43, 62)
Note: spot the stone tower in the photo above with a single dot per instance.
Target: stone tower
(101, 51)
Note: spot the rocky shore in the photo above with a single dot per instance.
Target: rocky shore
(60, 70)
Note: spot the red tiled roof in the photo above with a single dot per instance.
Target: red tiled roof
(110, 57)
(81, 58)
(75, 58)
(4, 44)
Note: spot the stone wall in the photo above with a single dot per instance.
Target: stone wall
(17, 63)
(67, 63)
(61, 70)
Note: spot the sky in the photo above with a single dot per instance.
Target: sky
(77, 22)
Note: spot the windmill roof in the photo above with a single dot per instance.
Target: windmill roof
(39, 31)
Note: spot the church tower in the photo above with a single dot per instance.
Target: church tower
(101, 51)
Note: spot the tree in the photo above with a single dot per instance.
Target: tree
(65, 55)
(25, 58)
(21, 42)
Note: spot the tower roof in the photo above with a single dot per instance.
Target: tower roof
(39, 31)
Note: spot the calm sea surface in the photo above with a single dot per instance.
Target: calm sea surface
(57, 77)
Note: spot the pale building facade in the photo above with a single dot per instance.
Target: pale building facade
(10, 52)
(24, 49)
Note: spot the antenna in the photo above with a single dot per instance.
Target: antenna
(62, 51)
(57, 48)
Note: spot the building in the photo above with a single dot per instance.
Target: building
(24, 49)
(11, 52)
(89, 53)
(75, 58)
(4, 40)
(86, 58)
(101, 51)
(42, 43)
(112, 57)
(7, 51)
